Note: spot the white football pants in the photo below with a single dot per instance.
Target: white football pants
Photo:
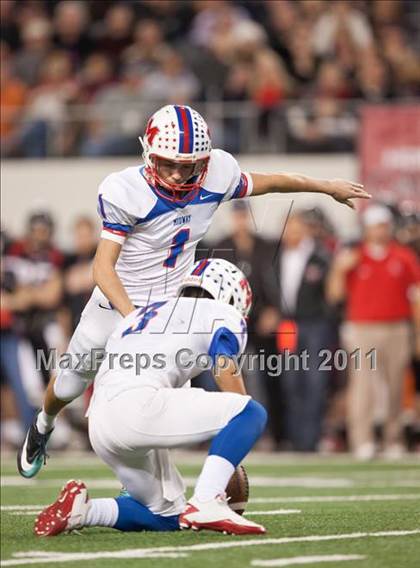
(97, 322)
(133, 431)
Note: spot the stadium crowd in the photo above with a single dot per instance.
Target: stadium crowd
(324, 303)
(80, 78)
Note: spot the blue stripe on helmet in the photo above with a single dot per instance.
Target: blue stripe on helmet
(190, 123)
(181, 130)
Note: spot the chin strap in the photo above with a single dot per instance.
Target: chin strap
(166, 193)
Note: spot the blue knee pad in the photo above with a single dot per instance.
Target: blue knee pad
(239, 435)
(133, 516)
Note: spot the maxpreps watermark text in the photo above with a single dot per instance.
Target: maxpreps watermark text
(271, 364)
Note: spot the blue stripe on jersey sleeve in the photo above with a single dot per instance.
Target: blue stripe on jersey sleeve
(118, 227)
(237, 191)
(241, 188)
(224, 342)
(101, 207)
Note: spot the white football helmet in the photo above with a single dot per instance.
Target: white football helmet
(176, 134)
(223, 281)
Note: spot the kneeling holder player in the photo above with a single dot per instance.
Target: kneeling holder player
(135, 419)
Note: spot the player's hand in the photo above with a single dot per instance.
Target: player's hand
(346, 259)
(344, 191)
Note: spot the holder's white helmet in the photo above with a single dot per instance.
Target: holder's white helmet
(176, 134)
(223, 281)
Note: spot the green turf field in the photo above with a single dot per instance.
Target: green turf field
(318, 512)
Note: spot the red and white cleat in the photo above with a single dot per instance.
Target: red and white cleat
(67, 513)
(216, 515)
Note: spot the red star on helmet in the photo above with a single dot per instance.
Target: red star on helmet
(151, 132)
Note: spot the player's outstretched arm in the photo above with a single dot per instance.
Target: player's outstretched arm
(339, 189)
(227, 376)
(106, 277)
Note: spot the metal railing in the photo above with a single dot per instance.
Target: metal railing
(239, 127)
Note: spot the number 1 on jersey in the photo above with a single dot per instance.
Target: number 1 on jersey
(177, 246)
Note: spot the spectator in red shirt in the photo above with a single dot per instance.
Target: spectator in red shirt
(380, 281)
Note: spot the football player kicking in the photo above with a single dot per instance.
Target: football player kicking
(153, 217)
(135, 417)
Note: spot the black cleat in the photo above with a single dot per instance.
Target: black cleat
(33, 454)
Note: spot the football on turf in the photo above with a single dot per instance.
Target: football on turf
(238, 490)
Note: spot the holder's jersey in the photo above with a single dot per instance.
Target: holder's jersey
(167, 343)
(159, 236)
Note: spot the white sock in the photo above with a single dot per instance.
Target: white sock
(214, 478)
(102, 513)
(45, 422)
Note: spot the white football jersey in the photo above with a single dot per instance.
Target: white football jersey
(158, 236)
(167, 343)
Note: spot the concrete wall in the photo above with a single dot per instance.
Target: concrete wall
(68, 188)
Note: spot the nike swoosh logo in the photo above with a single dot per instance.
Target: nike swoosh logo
(105, 307)
(204, 197)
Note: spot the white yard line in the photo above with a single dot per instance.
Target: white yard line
(38, 557)
(261, 500)
(336, 498)
(62, 459)
(379, 482)
(21, 507)
(265, 481)
(255, 481)
(249, 513)
(276, 512)
(33, 512)
(293, 561)
(17, 481)
(24, 513)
